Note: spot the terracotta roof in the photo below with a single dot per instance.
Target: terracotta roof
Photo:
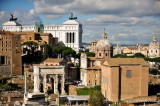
(94, 67)
(132, 47)
(125, 61)
(142, 99)
(53, 60)
(25, 33)
(44, 34)
(5, 32)
(95, 41)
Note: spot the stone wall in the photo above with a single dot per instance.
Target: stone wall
(5, 70)
(73, 89)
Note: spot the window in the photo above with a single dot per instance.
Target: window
(2, 60)
(95, 82)
(106, 54)
(128, 73)
(95, 75)
(99, 54)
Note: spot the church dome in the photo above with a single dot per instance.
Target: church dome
(104, 41)
(155, 41)
(11, 23)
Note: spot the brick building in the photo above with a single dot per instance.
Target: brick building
(10, 54)
(38, 37)
(124, 78)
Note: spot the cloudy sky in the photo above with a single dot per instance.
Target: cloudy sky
(125, 21)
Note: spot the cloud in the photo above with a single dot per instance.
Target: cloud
(131, 37)
(4, 16)
(25, 17)
(103, 19)
(112, 7)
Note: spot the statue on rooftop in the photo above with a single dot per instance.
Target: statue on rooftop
(12, 19)
(72, 18)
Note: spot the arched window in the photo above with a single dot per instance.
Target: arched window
(106, 54)
(95, 82)
(99, 54)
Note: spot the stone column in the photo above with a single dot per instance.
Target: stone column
(63, 84)
(71, 37)
(44, 83)
(25, 83)
(36, 79)
(68, 37)
(5, 61)
(56, 84)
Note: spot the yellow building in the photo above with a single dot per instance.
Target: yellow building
(124, 78)
(90, 70)
(40, 38)
(93, 45)
(131, 50)
(93, 76)
(10, 54)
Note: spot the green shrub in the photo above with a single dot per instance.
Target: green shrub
(87, 91)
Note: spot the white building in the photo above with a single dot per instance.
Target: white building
(117, 49)
(69, 34)
(154, 48)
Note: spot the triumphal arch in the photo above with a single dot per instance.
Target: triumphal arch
(49, 79)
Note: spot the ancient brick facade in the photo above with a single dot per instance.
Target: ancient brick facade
(10, 54)
(124, 78)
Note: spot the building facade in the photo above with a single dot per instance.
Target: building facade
(10, 54)
(38, 37)
(68, 34)
(131, 50)
(154, 48)
(124, 78)
(93, 46)
(118, 49)
(90, 70)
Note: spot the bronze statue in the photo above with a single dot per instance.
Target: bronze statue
(12, 19)
(72, 18)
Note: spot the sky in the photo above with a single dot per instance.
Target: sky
(128, 22)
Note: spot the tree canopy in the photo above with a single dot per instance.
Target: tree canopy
(139, 55)
(47, 51)
(121, 56)
(30, 43)
(64, 50)
(96, 98)
(154, 72)
(90, 54)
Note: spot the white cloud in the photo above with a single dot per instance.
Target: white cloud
(113, 7)
(24, 17)
(103, 19)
